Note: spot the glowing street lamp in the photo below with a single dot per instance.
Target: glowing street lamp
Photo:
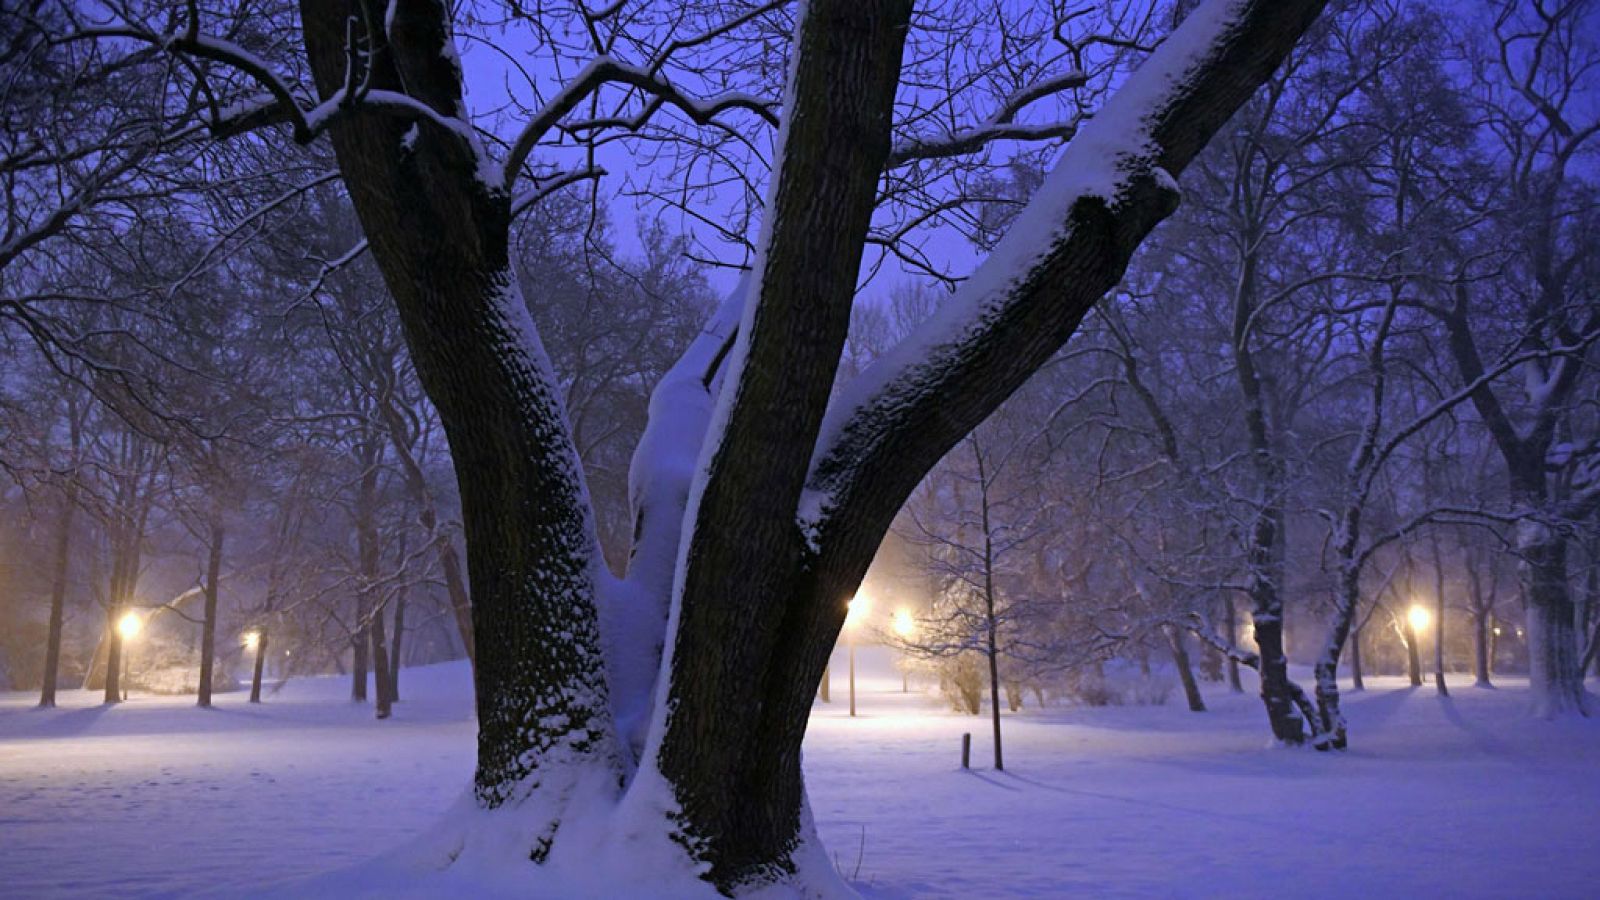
(904, 627)
(1418, 617)
(251, 639)
(855, 611)
(128, 628)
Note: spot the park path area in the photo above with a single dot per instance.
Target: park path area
(1458, 798)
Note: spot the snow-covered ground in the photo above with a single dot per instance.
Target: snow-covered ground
(1450, 798)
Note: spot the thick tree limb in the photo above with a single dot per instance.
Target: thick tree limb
(1069, 247)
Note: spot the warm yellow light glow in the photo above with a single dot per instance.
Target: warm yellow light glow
(1419, 617)
(856, 610)
(251, 639)
(1497, 631)
(904, 625)
(128, 626)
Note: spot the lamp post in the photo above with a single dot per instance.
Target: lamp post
(904, 626)
(128, 628)
(856, 610)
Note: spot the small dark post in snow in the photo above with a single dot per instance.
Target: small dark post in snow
(966, 750)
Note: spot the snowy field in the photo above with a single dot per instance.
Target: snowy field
(1457, 798)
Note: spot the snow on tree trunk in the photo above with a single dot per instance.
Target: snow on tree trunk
(1555, 676)
(786, 506)
(746, 647)
(438, 230)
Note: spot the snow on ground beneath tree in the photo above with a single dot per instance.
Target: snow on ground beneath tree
(1461, 798)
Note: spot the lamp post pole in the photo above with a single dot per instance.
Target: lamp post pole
(852, 672)
(904, 626)
(127, 628)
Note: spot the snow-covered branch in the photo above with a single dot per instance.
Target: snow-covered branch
(604, 70)
(1066, 249)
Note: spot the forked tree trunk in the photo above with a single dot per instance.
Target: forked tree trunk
(785, 514)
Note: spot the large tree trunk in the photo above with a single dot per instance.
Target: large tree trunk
(208, 624)
(765, 571)
(438, 231)
(1555, 675)
(749, 601)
